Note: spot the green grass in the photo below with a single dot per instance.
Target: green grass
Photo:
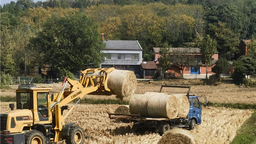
(103, 101)
(232, 105)
(83, 101)
(8, 99)
(247, 133)
(6, 87)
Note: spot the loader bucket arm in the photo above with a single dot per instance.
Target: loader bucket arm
(91, 80)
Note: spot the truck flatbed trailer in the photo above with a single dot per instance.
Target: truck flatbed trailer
(161, 125)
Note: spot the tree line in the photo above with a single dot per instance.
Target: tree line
(65, 34)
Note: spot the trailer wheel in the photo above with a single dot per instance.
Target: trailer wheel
(76, 136)
(163, 128)
(34, 137)
(192, 124)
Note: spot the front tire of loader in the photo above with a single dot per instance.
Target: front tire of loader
(76, 136)
(34, 137)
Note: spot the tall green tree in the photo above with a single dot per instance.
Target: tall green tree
(181, 57)
(221, 66)
(69, 43)
(164, 60)
(244, 66)
(207, 47)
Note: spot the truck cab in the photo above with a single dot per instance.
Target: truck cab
(195, 112)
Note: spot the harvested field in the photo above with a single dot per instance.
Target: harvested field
(223, 93)
(219, 125)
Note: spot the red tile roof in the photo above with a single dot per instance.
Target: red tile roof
(148, 65)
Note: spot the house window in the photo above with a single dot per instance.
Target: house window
(121, 56)
(108, 56)
(135, 56)
(198, 60)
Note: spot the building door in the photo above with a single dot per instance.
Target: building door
(193, 70)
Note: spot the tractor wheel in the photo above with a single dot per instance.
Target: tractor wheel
(34, 137)
(192, 124)
(76, 136)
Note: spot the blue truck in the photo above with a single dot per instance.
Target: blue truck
(161, 125)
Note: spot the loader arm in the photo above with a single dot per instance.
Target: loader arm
(91, 80)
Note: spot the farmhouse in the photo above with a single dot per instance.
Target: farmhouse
(123, 54)
(184, 61)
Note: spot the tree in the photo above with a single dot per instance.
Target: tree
(181, 57)
(164, 59)
(208, 47)
(221, 66)
(227, 41)
(244, 66)
(69, 43)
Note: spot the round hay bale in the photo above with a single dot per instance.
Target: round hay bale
(177, 136)
(122, 82)
(162, 105)
(124, 109)
(138, 104)
(183, 105)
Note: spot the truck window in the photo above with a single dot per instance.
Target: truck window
(196, 103)
(24, 100)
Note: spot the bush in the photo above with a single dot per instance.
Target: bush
(6, 79)
(67, 73)
(249, 82)
(38, 79)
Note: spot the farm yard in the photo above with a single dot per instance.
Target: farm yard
(219, 124)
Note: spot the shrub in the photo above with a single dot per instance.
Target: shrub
(6, 79)
(67, 73)
(249, 82)
(38, 79)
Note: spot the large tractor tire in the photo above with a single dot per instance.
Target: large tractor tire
(76, 136)
(35, 137)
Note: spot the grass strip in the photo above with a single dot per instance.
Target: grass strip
(232, 105)
(8, 99)
(103, 101)
(247, 132)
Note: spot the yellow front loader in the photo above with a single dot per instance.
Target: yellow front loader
(39, 117)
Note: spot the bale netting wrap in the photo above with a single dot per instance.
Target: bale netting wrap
(124, 109)
(162, 105)
(177, 136)
(138, 104)
(183, 105)
(122, 82)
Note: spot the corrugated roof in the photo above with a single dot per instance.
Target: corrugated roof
(122, 45)
(148, 65)
(180, 49)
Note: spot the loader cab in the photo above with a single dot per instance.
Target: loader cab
(35, 99)
(195, 110)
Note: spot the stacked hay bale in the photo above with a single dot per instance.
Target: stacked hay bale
(153, 104)
(124, 109)
(122, 82)
(177, 136)
(183, 105)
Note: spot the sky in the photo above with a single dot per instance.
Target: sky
(6, 1)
